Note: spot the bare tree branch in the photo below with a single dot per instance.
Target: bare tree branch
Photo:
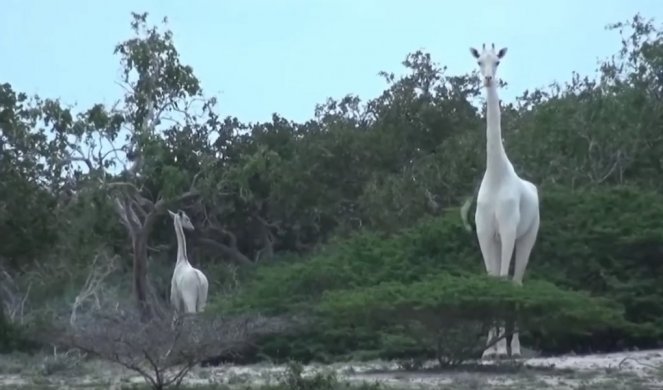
(99, 270)
(229, 252)
(159, 350)
(11, 298)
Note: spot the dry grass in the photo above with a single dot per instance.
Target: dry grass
(77, 370)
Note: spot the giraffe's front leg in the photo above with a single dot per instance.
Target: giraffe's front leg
(515, 343)
(491, 351)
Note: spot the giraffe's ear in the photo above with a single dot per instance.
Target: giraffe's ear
(474, 52)
(501, 53)
(172, 214)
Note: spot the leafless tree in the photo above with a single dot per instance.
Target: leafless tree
(12, 298)
(102, 265)
(159, 350)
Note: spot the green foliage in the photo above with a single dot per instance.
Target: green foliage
(363, 197)
(450, 315)
(472, 297)
(10, 338)
(606, 241)
(602, 242)
(365, 259)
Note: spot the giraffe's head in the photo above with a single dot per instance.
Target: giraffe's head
(183, 219)
(488, 60)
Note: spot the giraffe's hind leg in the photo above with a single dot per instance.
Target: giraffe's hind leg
(491, 249)
(524, 247)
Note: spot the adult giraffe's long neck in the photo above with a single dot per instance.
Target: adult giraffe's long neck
(181, 243)
(497, 161)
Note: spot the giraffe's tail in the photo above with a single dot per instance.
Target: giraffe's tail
(202, 287)
(464, 214)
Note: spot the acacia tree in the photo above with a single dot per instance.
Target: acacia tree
(161, 95)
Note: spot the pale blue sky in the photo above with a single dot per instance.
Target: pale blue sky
(265, 56)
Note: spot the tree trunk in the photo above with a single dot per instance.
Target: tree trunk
(140, 275)
(267, 240)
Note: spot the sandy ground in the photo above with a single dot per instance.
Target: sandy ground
(627, 370)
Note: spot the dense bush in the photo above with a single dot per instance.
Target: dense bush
(590, 243)
(608, 241)
(366, 259)
(450, 315)
(8, 335)
(13, 337)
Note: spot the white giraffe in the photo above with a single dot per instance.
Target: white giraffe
(188, 287)
(507, 213)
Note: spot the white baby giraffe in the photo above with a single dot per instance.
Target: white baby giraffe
(507, 213)
(188, 287)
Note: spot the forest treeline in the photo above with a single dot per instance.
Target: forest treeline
(352, 216)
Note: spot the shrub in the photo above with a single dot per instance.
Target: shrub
(605, 242)
(608, 241)
(449, 316)
(10, 336)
